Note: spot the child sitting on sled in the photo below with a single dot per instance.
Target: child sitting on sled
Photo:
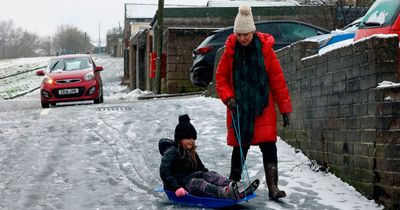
(183, 172)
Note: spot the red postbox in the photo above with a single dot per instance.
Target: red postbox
(153, 66)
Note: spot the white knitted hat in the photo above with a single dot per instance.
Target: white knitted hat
(244, 22)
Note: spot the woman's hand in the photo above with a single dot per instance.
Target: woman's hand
(231, 103)
(285, 118)
(181, 192)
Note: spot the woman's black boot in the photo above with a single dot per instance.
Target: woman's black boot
(271, 173)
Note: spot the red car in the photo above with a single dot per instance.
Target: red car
(71, 78)
(381, 18)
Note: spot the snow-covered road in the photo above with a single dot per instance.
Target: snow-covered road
(106, 156)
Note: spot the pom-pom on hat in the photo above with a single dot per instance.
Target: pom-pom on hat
(184, 129)
(244, 22)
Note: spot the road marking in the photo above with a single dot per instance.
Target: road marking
(45, 111)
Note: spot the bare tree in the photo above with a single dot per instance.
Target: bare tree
(6, 28)
(340, 12)
(16, 42)
(46, 46)
(23, 44)
(69, 39)
(349, 10)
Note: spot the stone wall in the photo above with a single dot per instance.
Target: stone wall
(341, 119)
(387, 147)
(179, 44)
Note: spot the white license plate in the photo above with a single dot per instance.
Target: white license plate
(68, 91)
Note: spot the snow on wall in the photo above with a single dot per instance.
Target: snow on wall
(387, 84)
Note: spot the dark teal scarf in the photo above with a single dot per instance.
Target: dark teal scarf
(251, 86)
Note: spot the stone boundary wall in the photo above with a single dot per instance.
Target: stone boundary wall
(340, 118)
(179, 44)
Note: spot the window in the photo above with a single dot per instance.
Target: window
(222, 36)
(269, 28)
(70, 64)
(294, 32)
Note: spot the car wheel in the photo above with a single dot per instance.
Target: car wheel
(100, 99)
(45, 105)
(97, 100)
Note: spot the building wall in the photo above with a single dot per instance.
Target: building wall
(222, 17)
(138, 26)
(114, 45)
(341, 119)
(178, 46)
(138, 57)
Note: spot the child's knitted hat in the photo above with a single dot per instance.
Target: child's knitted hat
(184, 129)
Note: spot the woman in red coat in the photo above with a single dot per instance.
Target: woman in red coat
(249, 79)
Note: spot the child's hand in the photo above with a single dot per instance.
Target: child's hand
(180, 192)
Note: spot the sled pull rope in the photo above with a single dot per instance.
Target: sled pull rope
(238, 137)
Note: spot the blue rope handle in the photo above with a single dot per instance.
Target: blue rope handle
(237, 131)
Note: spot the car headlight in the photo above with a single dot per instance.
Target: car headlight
(48, 80)
(89, 76)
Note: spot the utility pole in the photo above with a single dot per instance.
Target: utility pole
(4, 47)
(119, 30)
(159, 37)
(99, 40)
(86, 44)
(49, 46)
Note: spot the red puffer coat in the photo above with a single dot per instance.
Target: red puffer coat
(265, 125)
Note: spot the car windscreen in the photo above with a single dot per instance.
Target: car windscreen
(381, 13)
(70, 64)
(352, 27)
(51, 64)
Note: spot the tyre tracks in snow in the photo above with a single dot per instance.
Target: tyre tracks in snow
(129, 159)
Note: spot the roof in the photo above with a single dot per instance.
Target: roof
(133, 10)
(264, 3)
(143, 10)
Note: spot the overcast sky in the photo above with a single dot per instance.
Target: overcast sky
(43, 16)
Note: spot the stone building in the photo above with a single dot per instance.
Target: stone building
(189, 27)
(115, 44)
(192, 24)
(137, 19)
